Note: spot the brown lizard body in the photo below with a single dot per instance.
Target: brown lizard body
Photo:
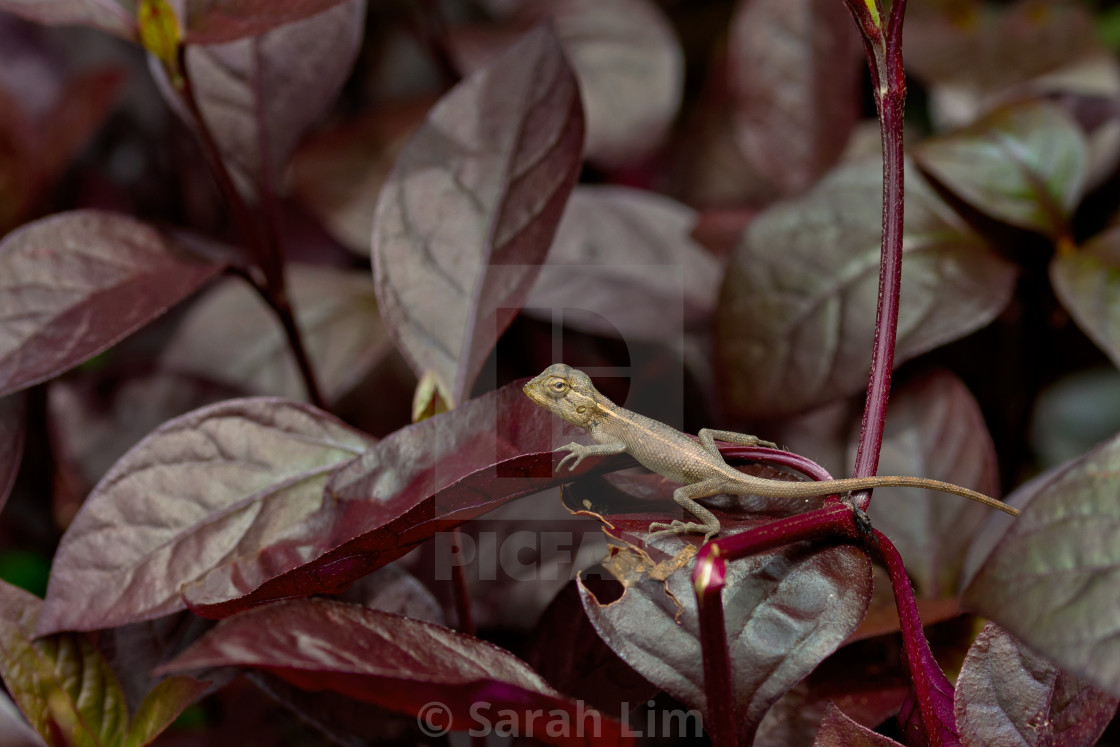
(699, 466)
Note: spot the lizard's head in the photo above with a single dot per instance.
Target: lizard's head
(566, 392)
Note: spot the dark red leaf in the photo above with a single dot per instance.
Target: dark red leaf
(1087, 282)
(1024, 164)
(1021, 45)
(795, 73)
(837, 730)
(258, 95)
(796, 316)
(863, 679)
(95, 417)
(12, 432)
(392, 589)
(73, 284)
(345, 721)
(202, 490)
(428, 477)
(216, 21)
(514, 560)
(115, 16)
(1051, 580)
(468, 213)
(338, 172)
(934, 429)
(785, 612)
(588, 668)
(14, 726)
(638, 273)
(133, 651)
(394, 661)
(82, 106)
(630, 68)
(230, 336)
(1008, 695)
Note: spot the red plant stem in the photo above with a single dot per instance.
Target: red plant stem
(708, 579)
(924, 679)
(265, 253)
(885, 60)
(802, 464)
(833, 523)
(459, 588)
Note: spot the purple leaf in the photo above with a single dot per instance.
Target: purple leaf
(133, 651)
(338, 172)
(60, 683)
(837, 730)
(625, 261)
(785, 612)
(345, 721)
(630, 68)
(115, 16)
(1024, 164)
(797, 311)
(391, 589)
(258, 95)
(318, 644)
(862, 679)
(1009, 696)
(795, 73)
(217, 21)
(1051, 580)
(17, 732)
(514, 560)
(1021, 44)
(73, 284)
(83, 105)
(589, 669)
(95, 417)
(335, 310)
(12, 433)
(428, 477)
(1088, 284)
(934, 429)
(469, 211)
(201, 490)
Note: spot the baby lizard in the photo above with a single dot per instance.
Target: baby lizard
(700, 468)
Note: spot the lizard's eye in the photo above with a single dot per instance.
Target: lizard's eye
(559, 387)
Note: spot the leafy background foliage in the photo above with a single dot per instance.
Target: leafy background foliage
(267, 293)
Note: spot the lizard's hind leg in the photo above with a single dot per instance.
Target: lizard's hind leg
(708, 435)
(686, 496)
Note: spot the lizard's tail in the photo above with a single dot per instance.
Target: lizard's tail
(855, 484)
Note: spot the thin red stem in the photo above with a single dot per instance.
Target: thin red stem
(459, 587)
(890, 95)
(925, 676)
(834, 523)
(265, 252)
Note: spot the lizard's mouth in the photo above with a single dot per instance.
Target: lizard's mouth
(532, 393)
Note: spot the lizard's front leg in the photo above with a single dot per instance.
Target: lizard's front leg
(579, 451)
(708, 435)
(686, 496)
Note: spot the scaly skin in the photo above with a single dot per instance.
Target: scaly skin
(700, 467)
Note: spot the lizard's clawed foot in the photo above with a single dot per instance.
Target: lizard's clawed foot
(576, 451)
(661, 529)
